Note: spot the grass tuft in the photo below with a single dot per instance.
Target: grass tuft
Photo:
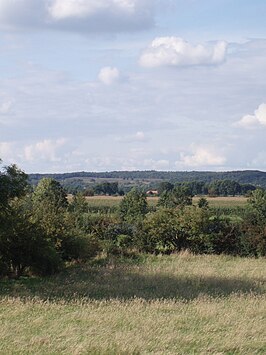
(178, 304)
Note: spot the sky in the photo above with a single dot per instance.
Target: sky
(103, 85)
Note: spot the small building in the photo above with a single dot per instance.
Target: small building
(152, 192)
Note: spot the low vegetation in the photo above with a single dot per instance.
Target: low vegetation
(130, 274)
(42, 229)
(179, 304)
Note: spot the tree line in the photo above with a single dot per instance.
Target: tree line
(41, 230)
(254, 177)
(214, 188)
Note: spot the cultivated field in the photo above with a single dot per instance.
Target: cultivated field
(179, 304)
(110, 201)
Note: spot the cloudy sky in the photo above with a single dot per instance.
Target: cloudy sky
(100, 85)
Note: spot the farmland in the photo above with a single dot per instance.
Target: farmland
(178, 304)
(110, 201)
(114, 201)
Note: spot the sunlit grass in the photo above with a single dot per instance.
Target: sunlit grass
(180, 304)
(111, 201)
(230, 201)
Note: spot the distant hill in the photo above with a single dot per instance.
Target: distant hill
(254, 177)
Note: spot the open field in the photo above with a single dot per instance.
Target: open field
(179, 304)
(110, 201)
(235, 201)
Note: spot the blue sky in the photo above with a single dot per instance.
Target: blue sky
(101, 85)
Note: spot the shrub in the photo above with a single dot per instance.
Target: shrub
(79, 247)
(134, 206)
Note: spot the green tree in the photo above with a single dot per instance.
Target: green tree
(79, 204)
(180, 196)
(257, 201)
(23, 244)
(165, 186)
(203, 203)
(49, 207)
(13, 183)
(133, 206)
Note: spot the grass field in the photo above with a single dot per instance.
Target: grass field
(179, 304)
(110, 201)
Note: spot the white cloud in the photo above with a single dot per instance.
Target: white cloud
(45, 150)
(140, 136)
(6, 149)
(174, 51)
(62, 9)
(109, 75)
(172, 108)
(202, 157)
(258, 119)
(259, 160)
(5, 107)
(162, 164)
(137, 137)
(78, 15)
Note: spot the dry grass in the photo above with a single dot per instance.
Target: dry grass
(180, 304)
(110, 201)
(230, 201)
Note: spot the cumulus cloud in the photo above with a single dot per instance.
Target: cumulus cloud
(137, 137)
(6, 149)
(5, 107)
(162, 164)
(257, 119)
(140, 136)
(174, 51)
(109, 75)
(202, 157)
(62, 9)
(45, 150)
(78, 15)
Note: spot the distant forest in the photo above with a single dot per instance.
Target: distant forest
(78, 181)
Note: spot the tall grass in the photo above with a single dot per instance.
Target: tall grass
(179, 304)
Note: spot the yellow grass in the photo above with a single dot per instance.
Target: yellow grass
(180, 304)
(236, 201)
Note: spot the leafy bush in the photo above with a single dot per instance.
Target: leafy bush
(79, 247)
(134, 206)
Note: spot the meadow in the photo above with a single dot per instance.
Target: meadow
(111, 201)
(178, 304)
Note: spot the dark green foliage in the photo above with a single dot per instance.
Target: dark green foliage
(180, 196)
(257, 201)
(165, 186)
(224, 188)
(49, 204)
(193, 228)
(79, 204)
(50, 192)
(203, 203)
(134, 206)
(79, 246)
(23, 244)
(13, 183)
(254, 225)
(165, 232)
(254, 177)
(39, 231)
(106, 188)
(88, 192)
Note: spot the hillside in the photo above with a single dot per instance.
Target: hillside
(254, 177)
